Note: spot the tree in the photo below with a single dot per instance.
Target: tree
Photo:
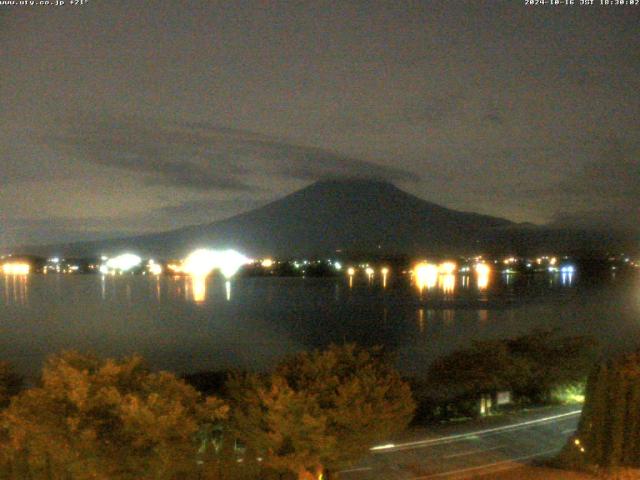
(551, 361)
(104, 419)
(531, 366)
(483, 368)
(321, 409)
(608, 434)
(10, 383)
(286, 427)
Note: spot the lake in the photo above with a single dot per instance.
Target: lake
(186, 325)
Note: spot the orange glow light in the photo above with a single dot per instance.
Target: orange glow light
(16, 268)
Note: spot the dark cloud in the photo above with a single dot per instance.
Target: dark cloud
(599, 172)
(494, 117)
(206, 210)
(13, 168)
(434, 107)
(208, 110)
(165, 156)
(623, 219)
(200, 156)
(289, 159)
(32, 231)
(603, 192)
(614, 174)
(310, 163)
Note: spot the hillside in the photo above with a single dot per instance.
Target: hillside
(350, 216)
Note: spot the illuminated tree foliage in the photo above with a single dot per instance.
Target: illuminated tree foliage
(609, 431)
(550, 361)
(531, 366)
(104, 419)
(10, 383)
(321, 409)
(484, 368)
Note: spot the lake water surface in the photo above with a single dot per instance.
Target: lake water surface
(186, 326)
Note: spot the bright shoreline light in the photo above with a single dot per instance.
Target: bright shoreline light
(426, 275)
(122, 263)
(230, 261)
(154, 268)
(447, 268)
(482, 271)
(200, 262)
(16, 268)
(203, 261)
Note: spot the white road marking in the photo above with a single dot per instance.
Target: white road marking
(450, 438)
(351, 470)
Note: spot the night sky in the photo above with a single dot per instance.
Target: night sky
(120, 118)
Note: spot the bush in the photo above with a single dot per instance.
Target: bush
(10, 383)
(104, 419)
(608, 436)
(321, 409)
(532, 367)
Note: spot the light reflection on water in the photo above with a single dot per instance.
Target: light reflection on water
(421, 320)
(197, 289)
(482, 280)
(567, 279)
(15, 289)
(186, 323)
(447, 284)
(193, 288)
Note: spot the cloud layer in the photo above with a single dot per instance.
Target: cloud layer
(205, 157)
(159, 117)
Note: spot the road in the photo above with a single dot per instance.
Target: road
(467, 451)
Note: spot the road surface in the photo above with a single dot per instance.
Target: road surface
(470, 450)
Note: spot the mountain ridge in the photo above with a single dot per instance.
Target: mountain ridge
(332, 216)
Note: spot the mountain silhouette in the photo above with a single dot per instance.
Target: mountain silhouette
(346, 216)
(325, 217)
